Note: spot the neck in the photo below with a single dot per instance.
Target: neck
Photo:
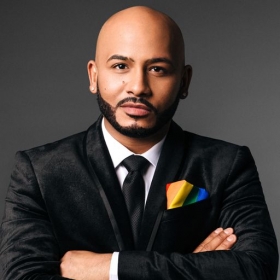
(137, 145)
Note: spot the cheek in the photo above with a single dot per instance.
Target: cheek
(165, 92)
(110, 86)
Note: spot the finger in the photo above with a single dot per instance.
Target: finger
(216, 241)
(227, 243)
(208, 239)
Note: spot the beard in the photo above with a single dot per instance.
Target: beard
(134, 130)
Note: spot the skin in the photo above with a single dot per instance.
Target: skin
(139, 54)
(84, 265)
(131, 62)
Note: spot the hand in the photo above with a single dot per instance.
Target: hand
(85, 265)
(219, 239)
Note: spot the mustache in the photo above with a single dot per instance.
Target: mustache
(139, 100)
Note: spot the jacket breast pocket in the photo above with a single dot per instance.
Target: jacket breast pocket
(183, 229)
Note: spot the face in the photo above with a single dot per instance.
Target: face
(139, 76)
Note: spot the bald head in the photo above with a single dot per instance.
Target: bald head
(141, 24)
(139, 74)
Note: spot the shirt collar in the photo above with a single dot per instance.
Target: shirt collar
(118, 152)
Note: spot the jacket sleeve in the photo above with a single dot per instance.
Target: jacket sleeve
(254, 256)
(28, 246)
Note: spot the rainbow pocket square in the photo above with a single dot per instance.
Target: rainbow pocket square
(183, 193)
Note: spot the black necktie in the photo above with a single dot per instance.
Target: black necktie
(134, 191)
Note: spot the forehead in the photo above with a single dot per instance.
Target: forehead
(138, 39)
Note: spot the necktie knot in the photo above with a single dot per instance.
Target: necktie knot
(135, 163)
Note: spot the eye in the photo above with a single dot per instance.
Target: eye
(157, 69)
(120, 66)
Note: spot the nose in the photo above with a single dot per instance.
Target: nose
(138, 83)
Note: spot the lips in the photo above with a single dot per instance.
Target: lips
(135, 109)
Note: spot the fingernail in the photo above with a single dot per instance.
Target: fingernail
(218, 230)
(230, 238)
(228, 231)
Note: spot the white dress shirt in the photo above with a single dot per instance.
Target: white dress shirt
(118, 153)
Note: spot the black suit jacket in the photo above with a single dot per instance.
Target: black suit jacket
(65, 196)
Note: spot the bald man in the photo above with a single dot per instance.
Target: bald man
(67, 212)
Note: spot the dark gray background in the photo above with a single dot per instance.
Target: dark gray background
(233, 46)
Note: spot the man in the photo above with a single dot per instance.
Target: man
(68, 209)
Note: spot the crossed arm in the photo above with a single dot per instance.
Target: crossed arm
(29, 250)
(85, 265)
(254, 256)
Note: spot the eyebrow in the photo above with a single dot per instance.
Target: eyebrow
(119, 57)
(160, 59)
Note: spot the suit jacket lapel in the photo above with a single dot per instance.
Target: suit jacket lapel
(168, 170)
(101, 164)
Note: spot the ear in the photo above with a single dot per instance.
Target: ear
(186, 80)
(92, 75)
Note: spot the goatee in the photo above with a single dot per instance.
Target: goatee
(136, 131)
